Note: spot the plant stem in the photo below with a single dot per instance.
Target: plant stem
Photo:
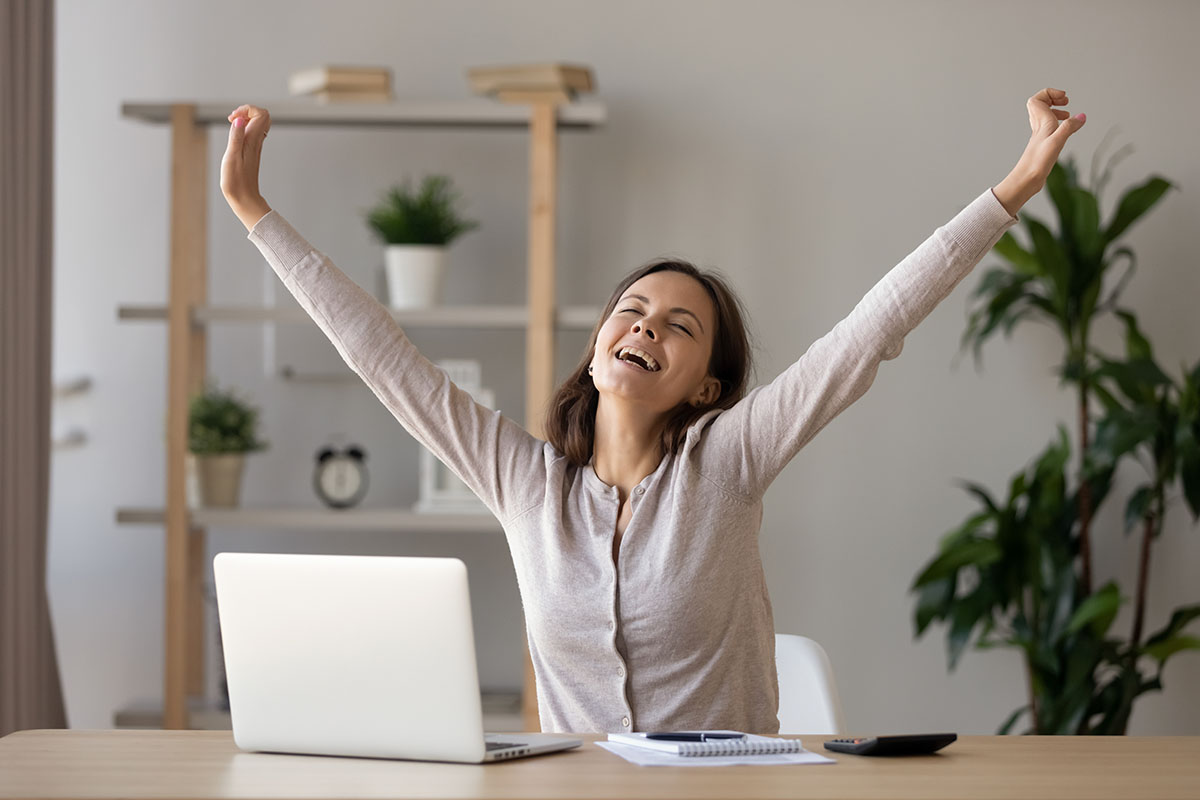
(1033, 706)
(1085, 490)
(1139, 613)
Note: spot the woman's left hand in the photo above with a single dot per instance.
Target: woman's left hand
(1051, 129)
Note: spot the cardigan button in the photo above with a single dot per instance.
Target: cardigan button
(625, 721)
(639, 490)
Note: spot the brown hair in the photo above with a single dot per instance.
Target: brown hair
(571, 416)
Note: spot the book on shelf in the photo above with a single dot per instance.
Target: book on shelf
(345, 96)
(335, 78)
(556, 96)
(570, 78)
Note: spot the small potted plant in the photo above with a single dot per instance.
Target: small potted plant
(222, 428)
(416, 229)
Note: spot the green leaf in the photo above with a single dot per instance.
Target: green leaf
(1062, 195)
(1138, 507)
(1088, 302)
(1097, 611)
(965, 615)
(935, 601)
(1137, 347)
(1022, 260)
(1012, 720)
(1134, 204)
(1189, 473)
(1137, 378)
(1003, 304)
(1121, 431)
(1124, 279)
(981, 493)
(1161, 651)
(1179, 620)
(1055, 457)
(1058, 580)
(972, 553)
(1106, 398)
(1116, 158)
(1086, 231)
(1054, 260)
(994, 279)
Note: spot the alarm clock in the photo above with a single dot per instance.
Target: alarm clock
(340, 478)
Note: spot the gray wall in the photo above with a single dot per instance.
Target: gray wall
(802, 148)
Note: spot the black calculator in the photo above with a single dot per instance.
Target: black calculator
(905, 745)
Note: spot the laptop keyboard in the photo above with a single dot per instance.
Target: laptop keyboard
(500, 745)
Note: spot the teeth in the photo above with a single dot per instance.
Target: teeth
(642, 354)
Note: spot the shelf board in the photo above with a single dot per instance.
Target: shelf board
(396, 520)
(472, 113)
(483, 317)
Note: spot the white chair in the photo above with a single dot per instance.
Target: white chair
(808, 696)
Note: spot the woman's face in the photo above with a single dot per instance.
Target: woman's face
(668, 320)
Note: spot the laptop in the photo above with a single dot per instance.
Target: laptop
(356, 656)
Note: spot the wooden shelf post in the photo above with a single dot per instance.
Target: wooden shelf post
(539, 341)
(186, 360)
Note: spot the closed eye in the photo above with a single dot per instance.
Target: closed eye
(673, 324)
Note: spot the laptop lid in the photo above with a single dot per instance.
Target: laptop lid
(350, 655)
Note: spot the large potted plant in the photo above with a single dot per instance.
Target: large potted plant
(222, 429)
(1018, 572)
(416, 228)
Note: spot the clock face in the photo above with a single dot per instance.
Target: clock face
(341, 480)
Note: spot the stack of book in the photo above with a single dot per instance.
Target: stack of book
(340, 84)
(525, 83)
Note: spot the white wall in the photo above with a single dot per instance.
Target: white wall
(803, 148)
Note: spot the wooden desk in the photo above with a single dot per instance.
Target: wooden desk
(206, 764)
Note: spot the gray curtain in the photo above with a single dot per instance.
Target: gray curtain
(30, 692)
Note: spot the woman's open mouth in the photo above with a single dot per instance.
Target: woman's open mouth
(638, 358)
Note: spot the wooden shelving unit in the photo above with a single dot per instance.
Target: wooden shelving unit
(188, 316)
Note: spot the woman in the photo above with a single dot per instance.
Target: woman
(633, 530)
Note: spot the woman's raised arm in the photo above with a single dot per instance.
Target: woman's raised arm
(497, 459)
(747, 446)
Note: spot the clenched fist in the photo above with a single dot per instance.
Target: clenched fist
(248, 126)
(1051, 128)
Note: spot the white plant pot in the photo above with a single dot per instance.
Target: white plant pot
(217, 479)
(414, 274)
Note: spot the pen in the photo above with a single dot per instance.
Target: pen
(695, 737)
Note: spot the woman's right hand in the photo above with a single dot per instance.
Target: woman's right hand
(248, 126)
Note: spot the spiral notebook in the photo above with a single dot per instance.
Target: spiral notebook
(751, 745)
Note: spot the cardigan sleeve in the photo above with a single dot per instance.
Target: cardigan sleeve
(500, 461)
(745, 447)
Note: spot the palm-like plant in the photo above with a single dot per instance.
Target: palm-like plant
(1059, 280)
(1018, 573)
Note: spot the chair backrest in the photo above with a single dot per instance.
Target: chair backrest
(808, 696)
